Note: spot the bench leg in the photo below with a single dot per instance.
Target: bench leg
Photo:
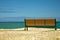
(26, 29)
(55, 28)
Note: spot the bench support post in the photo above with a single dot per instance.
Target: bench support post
(55, 25)
(55, 28)
(26, 27)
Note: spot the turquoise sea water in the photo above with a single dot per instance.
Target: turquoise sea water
(13, 25)
(58, 24)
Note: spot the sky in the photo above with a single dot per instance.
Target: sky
(29, 8)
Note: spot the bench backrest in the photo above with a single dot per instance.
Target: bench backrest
(40, 22)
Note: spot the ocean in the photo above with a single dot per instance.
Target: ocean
(13, 25)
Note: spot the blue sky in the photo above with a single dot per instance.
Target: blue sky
(29, 8)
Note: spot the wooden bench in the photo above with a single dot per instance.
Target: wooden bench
(40, 23)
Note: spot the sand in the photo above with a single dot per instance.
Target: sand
(31, 34)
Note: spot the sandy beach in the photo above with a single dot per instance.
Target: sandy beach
(31, 34)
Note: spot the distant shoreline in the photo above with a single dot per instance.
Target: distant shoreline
(18, 22)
